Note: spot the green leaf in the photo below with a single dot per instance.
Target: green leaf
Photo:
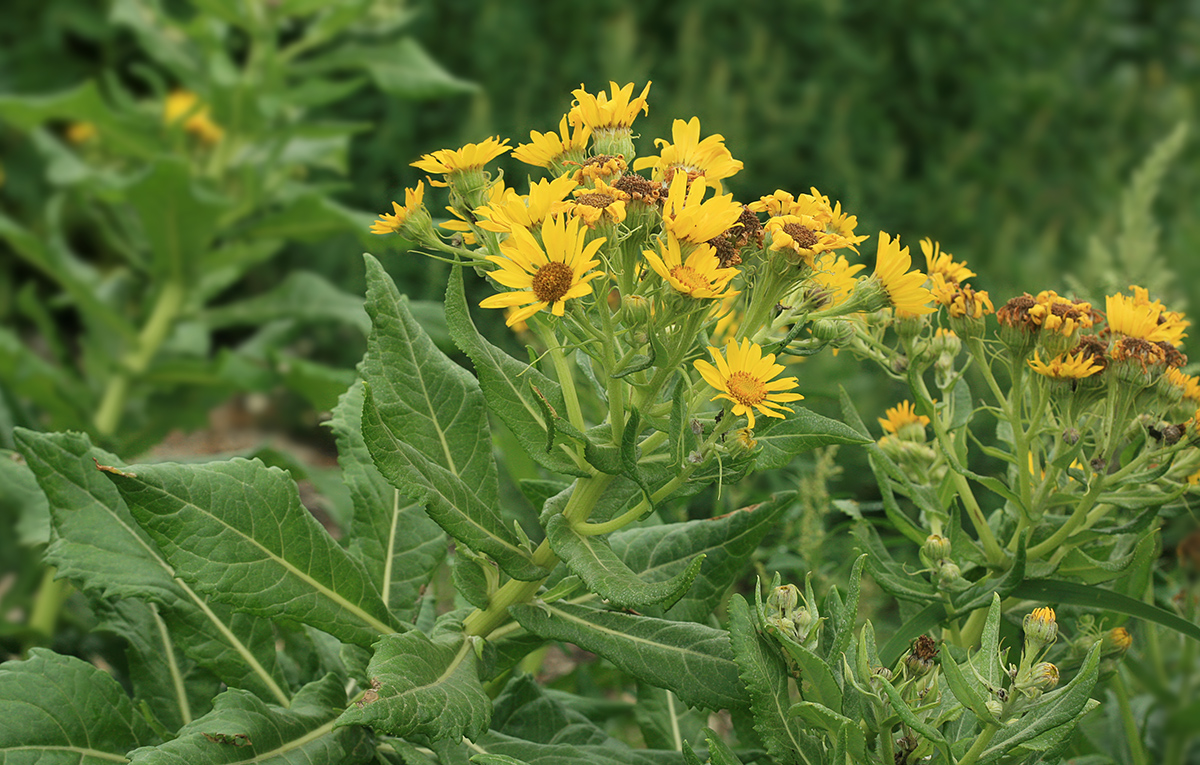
(398, 543)
(179, 220)
(658, 553)
(982, 591)
(834, 722)
(1052, 591)
(127, 135)
(23, 500)
(516, 392)
(447, 498)
(719, 752)
(425, 424)
(606, 574)
(987, 662)
(425, 688)
(799, 432)
(909, 718)
(243, 729)
(312, 216)
(302, 296)
(165, 682)
(762, 670)
(842, 620)
(889, 575)
(692, 661)
(400, 68)
(1060, 707)
(238, 531)
(62, 709)
(966, 689)
(816, 676)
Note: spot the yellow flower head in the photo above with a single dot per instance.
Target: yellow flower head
(1060, 315)
(546, 198)
(1140, 318)
(901, 416)
(81, 132)
(942, 264)
(1116, 640)
(1040, 627)
(1188, 386)
(391, 223)
(185, 103)
(466, 228)
(602, 202)
(690, 155)
(548, 149)
(473, 156)
(599, 112)
(961, 300)
(905, 289)
(1066, 366)
(689, 218)
(548, 274)
(835, 277)
(745, 377)
(700, 276)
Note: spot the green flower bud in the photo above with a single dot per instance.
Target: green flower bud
(1040, 628)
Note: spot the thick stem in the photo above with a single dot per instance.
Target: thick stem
(981, 742)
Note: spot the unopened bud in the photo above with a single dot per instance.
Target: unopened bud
(1070, 436)
(1116, 641)
(994, 706)
(783, 599)
(635, 310)
(936, 548)
(1040, 628)
(948, 573)
(1044, 676)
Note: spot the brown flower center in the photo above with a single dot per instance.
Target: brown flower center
(595, 199)
(690, 279)
(747, 389)
(803, 236)
(552, 281)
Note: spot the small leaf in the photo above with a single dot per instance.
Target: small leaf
(692, 661)
(606, 574)
(243, 729)
(62, 709)
(238, 531)
(966, 689)
(425, 688)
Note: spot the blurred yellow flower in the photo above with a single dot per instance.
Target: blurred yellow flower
(1066, 366)
(81, 132)
(901, 415)
(185, 103)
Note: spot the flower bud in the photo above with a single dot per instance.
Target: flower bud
(936, 548)
(994, 706)
(635, 310)
(948, 573)
(1070, 436)
(783, 599)
(1116, 642)
(1040, 628)
(1044, 676)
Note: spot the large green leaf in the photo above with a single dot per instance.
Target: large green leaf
(692, 661)
(762, 670)
(243, 729)
(237, 531)
(166, 683)
(606, 574)
(799, 432)
(179, 220)
(62, 709)
(512, 388)
(399, 544)
(426, 688)
(658, 553)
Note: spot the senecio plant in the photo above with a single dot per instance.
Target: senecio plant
(659, 314)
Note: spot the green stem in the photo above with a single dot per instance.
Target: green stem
(1067, 529)
(981, 742)
(162, 319)
(1137, 751)
(49, 601)
(972, 630)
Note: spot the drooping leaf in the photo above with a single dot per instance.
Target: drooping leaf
(799, 432)
(425, 688)
(237, 531)
(398, 543)
(763, 672)
(515, 391)
(62, 709)
(243, 729)
(657, 553)
(606, 574)
(693, 661)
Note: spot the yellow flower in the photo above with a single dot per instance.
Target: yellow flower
(600, 167)
(1140, 318)
(961, 300)
(548, 274)
(900, 416)
(1066, 366)
(601, 202)
(546, 198)
(81, 132)
(745, 377)
(835, 277)
(905, 289)
(473, 156)
(390, 223)
(689, 218)
(690, 155)
(466, 228)
(942, 263)
(1188, 385)
(701, 276)
(1060, 315)
(185, 103)
(599, 112)
(799, 235)
(547, 149)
